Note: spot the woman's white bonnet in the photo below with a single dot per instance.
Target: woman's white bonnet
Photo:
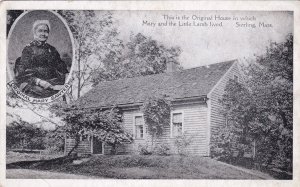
(41, 22)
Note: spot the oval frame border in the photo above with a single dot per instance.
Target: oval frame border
(68, 82)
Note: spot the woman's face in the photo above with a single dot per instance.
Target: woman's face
(41, 33)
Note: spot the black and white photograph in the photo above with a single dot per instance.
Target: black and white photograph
(155, 94)
(37, 67)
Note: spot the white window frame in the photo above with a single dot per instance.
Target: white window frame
(171, 121)
(134, 126)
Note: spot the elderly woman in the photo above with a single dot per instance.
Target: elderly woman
(40, 72)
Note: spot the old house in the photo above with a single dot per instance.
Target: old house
(195, 108)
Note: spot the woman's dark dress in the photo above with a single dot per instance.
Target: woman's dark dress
(40, 61)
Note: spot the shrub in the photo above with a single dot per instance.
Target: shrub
(144, 149)
(156, 112)
(54, 142)
(182, 142)
(21, 134)
(162, 149)
(226, 144)
(223, 144)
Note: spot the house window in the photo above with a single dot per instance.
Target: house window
(139, 127)
(177, 121)
(236, 78)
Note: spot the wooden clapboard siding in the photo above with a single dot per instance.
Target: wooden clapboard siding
(84, 146)
(128, 126)
(215, 116)
(194, 124)
(106, 149)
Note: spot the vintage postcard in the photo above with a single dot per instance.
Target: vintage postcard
(185, 93)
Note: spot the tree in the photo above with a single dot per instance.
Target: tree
(261, 110)
(20, 134)
(272, 87)
(103, 125)
(235, 136)
(55, 141)
(141, 56)
(94, 37)
(12, 15)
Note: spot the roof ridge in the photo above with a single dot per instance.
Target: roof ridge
(227, 61)
(164, 73)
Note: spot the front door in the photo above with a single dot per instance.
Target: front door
(97, 146)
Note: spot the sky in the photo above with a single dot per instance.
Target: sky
(201, 45)
(206, 44)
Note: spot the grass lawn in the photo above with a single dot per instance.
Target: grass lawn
(139, 167)
(16, 157)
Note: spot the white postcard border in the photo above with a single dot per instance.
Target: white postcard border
(155, 5)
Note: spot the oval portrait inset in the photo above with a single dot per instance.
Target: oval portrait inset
(40, 52)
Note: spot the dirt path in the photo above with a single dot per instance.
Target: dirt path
(37, 174)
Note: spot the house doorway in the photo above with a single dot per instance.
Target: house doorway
(97, 146)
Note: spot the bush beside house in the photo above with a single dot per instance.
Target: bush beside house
(260, 112)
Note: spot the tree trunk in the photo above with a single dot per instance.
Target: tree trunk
(77, 140)
(79, 69)
(79, 81)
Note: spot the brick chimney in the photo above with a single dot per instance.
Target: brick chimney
(171, 67)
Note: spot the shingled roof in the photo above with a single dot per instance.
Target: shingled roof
(188, 83)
